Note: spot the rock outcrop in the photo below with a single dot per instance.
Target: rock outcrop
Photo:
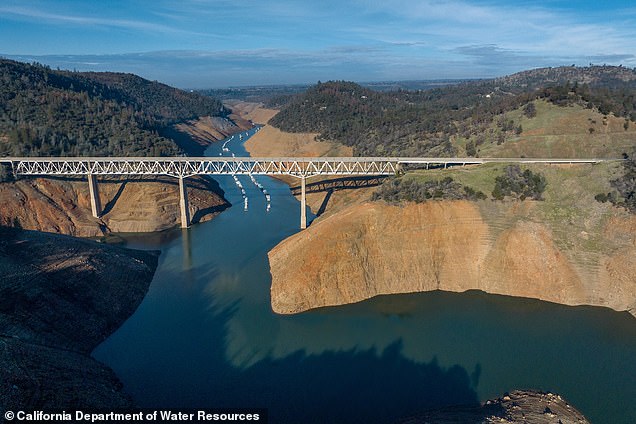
(519, 406)
(374, 248)
(59, 298)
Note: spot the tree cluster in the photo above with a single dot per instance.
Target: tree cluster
(398, 190)
(423, 122)
(625, 194)
(6, 173)
(518, 184)
(44, 112)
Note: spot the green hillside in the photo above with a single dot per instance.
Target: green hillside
(46, 112)
(567, 111)
(573, 131)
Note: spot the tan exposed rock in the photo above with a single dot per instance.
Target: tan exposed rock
(272, 142)
(252, 111)
(374, 248)
(519, 406)
(357, 250)
(524, 262)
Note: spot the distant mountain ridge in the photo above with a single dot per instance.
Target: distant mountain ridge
(597, 76)
(443, 121)
(63, 113)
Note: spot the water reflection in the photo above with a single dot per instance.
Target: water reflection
(186, 247)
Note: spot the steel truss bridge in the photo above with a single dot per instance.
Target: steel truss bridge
(184, 167)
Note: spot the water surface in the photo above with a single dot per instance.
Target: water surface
(205, 336)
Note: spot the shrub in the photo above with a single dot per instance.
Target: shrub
(6, 174)
(625, 186)
(399, 190)
(519, 184)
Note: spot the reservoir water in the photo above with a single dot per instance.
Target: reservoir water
(205, 335)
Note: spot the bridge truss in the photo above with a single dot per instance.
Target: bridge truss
(184, 167)
(187, 167)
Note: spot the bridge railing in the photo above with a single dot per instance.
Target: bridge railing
(182, 167)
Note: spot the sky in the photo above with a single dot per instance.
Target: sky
(222, 43)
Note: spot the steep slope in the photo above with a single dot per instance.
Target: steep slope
(59, 298)
(374, 249)
(60, 113)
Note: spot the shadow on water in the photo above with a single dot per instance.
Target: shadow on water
(201, 213)
(354, 386)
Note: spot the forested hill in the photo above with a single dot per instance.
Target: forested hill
(60, 113)
(430, 122)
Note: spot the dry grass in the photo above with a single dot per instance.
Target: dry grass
(564, 132)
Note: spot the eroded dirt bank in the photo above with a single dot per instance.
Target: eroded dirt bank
(374, 248)
(59, 298)
(196, 135)
(130, 205)
(134, 204)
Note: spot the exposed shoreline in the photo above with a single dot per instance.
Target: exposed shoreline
(142, 204)
(372, 248)
(61, 297)
(519, 406)
(513, 254)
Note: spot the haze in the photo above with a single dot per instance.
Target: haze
(217, 43)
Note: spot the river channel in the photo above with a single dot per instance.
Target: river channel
(205, 335)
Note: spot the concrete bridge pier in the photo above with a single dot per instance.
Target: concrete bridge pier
(303, 204)
(183, 203)
(96, 205)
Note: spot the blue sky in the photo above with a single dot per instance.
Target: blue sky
(217, 43)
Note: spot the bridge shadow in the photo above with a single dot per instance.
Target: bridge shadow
(201, 213)
(336, 184)
(109, 206)
(203, 183)
(343, 183)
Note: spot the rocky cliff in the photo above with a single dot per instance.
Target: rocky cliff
(374, 248)
(59, 298)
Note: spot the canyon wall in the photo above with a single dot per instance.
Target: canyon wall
(374, 248)
(130, 205)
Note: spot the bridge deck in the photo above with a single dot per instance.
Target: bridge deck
(182, 167)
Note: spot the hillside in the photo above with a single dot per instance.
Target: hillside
(62, 113)
(60, 297)
(567, 248)
(45, 112)
(455, 119)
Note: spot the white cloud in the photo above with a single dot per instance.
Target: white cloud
(39, 16)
